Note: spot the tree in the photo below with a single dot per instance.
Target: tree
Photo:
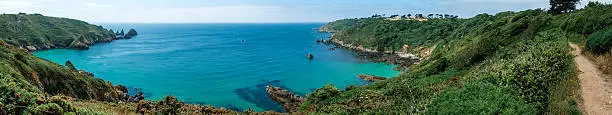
(393, 16)
(562, 6)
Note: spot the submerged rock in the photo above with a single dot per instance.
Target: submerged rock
(371, 78)
(290, 101)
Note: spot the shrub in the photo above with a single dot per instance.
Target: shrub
(323, 93)
(49, 108)
(480, 98)
(600, 42)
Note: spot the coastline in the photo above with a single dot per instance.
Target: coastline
(82, 43)
(402, 60)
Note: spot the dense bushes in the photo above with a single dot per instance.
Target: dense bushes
(323, 93)
(508, 63)
(600, 42)
(480, 98)
(169, 105)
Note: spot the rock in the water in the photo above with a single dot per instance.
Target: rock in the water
(371, 78)
(290, 101)
(309, 56)
(131, 33)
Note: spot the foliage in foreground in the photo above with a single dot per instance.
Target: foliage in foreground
(27, 81)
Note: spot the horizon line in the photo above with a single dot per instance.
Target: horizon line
(280, 22)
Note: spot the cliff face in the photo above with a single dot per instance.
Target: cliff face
(37, 32)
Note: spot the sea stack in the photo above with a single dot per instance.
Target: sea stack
(131, 33)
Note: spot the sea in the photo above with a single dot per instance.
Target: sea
(225, 65)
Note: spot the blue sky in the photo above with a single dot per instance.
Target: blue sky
(196, 11)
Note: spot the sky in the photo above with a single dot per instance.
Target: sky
(254, 11)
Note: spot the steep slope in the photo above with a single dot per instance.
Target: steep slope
(508, 63)
(38, 32)
(28, 80)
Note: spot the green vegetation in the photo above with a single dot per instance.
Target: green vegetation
(562, 6)
(28, 84)
(381, 34)
(600, 42)
(508, 63)
(36, 32)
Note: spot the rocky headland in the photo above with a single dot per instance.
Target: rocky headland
(290, 101)
(402, 59)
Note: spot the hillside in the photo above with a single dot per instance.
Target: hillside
(38, 32)
(31, 85)
(34, 85)
(507, 63)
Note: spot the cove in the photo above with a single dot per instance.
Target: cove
(225, 65)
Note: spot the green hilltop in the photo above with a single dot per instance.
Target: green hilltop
(38, 32)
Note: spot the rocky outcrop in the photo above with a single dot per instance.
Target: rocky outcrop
(79, 45)
(121, 95)
(309, 56)
(371, 78)
(131, 33)
(86, 73)
(403, 60)
(290, 101)
(83, 72)
(70, 65)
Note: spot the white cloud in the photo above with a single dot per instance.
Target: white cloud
(16, 3)
(229, 13)
(604, 1)
(96, 5)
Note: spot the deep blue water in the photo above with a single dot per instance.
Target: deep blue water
(209, 63)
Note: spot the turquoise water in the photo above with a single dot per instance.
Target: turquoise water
(209, 64)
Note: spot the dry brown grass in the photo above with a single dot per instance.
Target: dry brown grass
(97, 107)
(603, 61)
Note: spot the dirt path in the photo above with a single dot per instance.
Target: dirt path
(596, 94)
